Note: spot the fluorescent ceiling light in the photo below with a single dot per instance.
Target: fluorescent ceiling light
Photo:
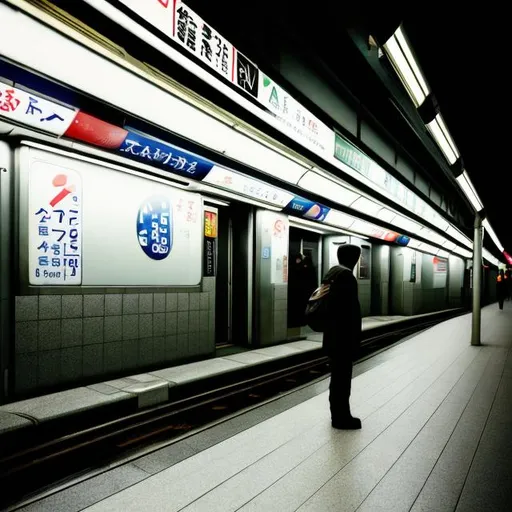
(489, 257)
(443, 254)
(428, 248)
(469, 191)
(492, 234)
(327, 188)
(440, 133)
(404, 63)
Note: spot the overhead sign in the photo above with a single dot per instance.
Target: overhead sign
(307, 209)
(154, 151)
(31, 110)
(255, 189)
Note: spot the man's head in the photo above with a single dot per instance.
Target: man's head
(348, 255)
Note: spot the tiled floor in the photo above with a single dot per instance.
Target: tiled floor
(437, 436)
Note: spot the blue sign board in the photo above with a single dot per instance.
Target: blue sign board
(265, 253)
(305, 208)
(403, 240)
(156, 152)
(154, 227)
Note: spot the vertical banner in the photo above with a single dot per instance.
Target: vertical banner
(279, 251)
(55, 226)
(412, 278)
(210, 243)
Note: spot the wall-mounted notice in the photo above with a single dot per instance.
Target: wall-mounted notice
(279, 250)
(210, 243)
(55, 225)
(128, 230)
(31, 110)
(155, 226)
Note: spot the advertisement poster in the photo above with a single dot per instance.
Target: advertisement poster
(97, 226)
(210, 243)
(55, 226)
(279, 251)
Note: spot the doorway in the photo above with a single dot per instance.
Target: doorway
(303, 276)
(233, 276)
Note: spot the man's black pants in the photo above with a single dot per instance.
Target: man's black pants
(340, 386)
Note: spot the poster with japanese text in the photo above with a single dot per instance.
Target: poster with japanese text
(132, 231)
(279, 249)
(55, 225)
(199, 38)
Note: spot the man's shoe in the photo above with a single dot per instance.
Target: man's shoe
(349, 423)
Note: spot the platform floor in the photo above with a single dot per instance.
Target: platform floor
(437, 436)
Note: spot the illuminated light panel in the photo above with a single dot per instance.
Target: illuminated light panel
(492, 234)
(469, 191)
(407, 69)
(438, 130)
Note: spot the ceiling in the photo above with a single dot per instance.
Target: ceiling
(465, 62)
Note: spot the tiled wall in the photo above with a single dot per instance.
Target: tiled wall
(63, 339)
(280, 301)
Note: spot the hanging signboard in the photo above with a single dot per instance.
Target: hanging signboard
(305, 126)
(199, 38)
(55, 226)
(31, 110)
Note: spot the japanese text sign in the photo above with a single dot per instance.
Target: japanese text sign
(31, 110)
(55, 226)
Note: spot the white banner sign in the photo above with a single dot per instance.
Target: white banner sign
(55, 225)
(305, 127)
(31, 110)
(234, 182)
(199, 38)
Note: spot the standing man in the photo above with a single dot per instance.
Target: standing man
(342, 334)
(501, 288)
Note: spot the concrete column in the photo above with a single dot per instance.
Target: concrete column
(477, 281)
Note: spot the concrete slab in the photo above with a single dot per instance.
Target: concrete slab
(10, 422)
(195, 371)
(61, 404)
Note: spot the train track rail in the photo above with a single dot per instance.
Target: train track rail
(48, 460)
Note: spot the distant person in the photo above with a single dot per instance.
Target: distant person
(309, 281)
(342, 334)
(508, 280)
(501, 288)
(295, 292)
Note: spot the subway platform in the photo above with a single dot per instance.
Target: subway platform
(436, 436)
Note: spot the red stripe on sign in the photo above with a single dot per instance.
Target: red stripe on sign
(233, 67)
(94, 131)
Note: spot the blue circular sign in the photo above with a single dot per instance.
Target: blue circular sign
(154, 227)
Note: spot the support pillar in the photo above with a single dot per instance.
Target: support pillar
(477, 281)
